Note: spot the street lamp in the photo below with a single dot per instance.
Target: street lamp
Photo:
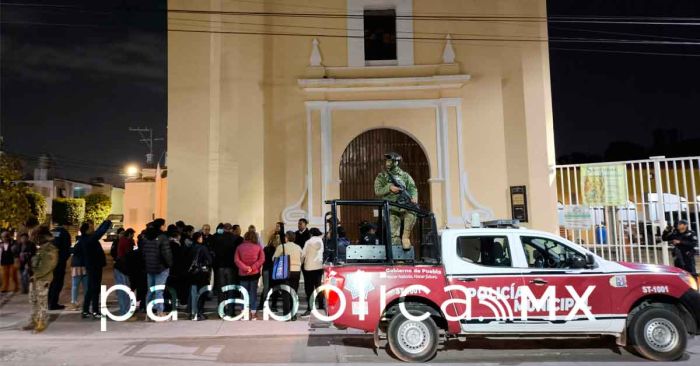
(132, 171)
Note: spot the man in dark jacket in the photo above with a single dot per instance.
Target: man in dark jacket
(158, 259)
(302, 235)
(61, 240)
(224, 246)
(94, 258)
(300, 238)
(684, 242)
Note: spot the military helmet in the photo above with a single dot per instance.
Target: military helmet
(392, 156)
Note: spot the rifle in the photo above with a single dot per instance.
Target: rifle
(404, 197)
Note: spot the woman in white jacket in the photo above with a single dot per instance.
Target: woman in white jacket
(312, 259)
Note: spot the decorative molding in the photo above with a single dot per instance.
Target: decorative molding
(444, 157)
(292, 213)
(484, 212)
(315, 58)
(448, 54)
(295, 211)
(460, 158)
(309, 163)
(361, 84)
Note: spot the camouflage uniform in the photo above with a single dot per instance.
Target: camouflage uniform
(382, 189)
(43, 264)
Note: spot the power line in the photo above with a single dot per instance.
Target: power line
(454, 39)
(624, 52)
(435, 33)
(479, 38)
(146, 134)
(447, 17)
(622, 33)
(313, 27)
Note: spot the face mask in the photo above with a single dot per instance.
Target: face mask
(219, 231)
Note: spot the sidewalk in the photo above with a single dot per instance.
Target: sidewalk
(68, 325)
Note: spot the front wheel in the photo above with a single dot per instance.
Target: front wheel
(658, 333)
(413, 341)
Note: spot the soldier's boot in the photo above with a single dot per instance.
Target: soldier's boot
(406, 240)
(40, 326)
(408, 222)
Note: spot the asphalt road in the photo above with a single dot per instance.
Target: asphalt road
(311, 349)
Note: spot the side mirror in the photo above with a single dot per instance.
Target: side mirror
(590, 260)
(578, 262)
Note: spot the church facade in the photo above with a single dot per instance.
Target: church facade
(275, 107)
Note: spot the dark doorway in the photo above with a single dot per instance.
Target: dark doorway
(363, 159)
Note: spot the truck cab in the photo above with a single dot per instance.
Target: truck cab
(500, 280)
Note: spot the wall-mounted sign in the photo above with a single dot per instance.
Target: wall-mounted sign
(577, 217)
(604, 185)
(518, 203)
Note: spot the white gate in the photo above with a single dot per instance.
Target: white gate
(659, 191)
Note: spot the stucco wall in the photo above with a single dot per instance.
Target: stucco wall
(237, 124)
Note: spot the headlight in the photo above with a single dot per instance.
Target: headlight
(690, 280)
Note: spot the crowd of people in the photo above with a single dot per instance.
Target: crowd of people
(184, 267)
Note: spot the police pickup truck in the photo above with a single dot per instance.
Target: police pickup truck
(499, 280)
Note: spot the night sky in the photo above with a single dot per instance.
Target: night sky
(72, 90)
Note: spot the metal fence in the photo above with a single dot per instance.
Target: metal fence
(660, 191)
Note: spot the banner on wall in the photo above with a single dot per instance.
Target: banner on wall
(577, 217)
(604, 185)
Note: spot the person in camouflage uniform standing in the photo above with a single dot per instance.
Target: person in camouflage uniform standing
(395, 185)
(43, 264)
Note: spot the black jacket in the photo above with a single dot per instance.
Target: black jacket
(77, 260)
(688, 239)
(156, 251)
(269, 251)
(93, 254)
(224, 247)
(61, 240)
(200, 254)
(301, 238)
(181, 259)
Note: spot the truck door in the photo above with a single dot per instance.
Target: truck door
(480, 269)
(581, 296)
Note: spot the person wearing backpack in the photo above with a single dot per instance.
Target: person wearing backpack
(293, 250)
(199, 276)
(125, 244)
(94, 257)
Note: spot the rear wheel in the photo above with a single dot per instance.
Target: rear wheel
(413, 341)
(658, 333)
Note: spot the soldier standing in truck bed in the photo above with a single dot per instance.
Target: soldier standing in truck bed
(395, 185)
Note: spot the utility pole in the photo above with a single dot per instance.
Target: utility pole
(146, 137)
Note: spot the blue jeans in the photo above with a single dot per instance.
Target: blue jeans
(76, 282)
(122, 297)
(155, 279)
(252, 287)
(196, 303)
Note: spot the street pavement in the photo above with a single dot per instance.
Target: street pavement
(70, 340)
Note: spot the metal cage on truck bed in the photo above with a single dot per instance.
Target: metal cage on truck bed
(425, 247)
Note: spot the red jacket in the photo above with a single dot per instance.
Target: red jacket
(124, 246)
(249, 258)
